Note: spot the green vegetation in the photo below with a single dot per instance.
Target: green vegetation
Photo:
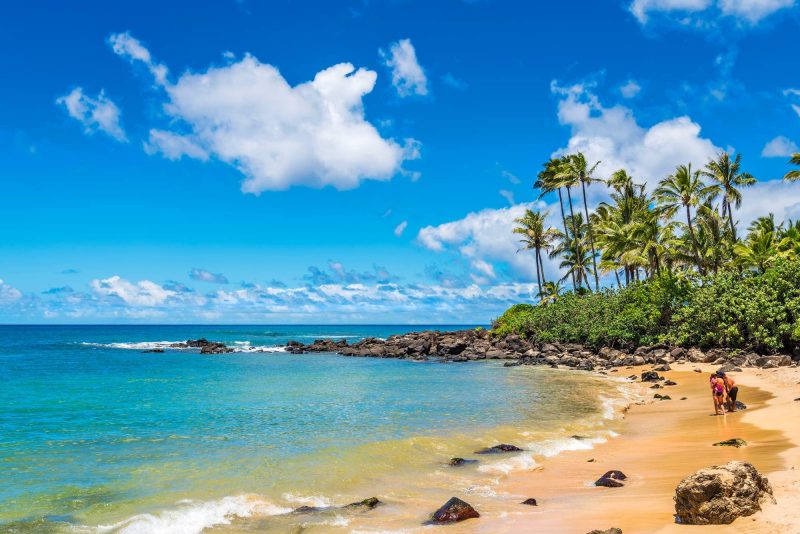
(682, 274)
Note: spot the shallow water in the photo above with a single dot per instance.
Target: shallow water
(97, 436)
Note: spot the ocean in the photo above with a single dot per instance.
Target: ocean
(98, 436)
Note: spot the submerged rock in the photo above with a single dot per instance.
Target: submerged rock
(733, 442)
(367, 504)
(453, 511)
(455, 462)
(612, 530)
(503, 447)
(718, 495)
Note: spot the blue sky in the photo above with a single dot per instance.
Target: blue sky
(356, 161)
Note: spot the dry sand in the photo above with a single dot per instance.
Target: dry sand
(662, 442)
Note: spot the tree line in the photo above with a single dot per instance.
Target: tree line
(687, 224)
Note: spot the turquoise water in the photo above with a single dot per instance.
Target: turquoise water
(96, 433)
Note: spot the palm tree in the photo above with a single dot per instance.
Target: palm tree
(535, 237)
(550, 292)
(576, 171)
(547, 182)
(575, 257)
(758, 250)
(727, 175)
(683, 188)
(793, 176)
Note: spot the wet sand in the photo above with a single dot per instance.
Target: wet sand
(661, 443)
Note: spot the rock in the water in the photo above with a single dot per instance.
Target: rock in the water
(367, 504)
(615, 474)
(153, 350)
(608, 483)
(453, 511)
(734, 442)
(455, 462)
(650, 376)
(530, 502)
(718, 495)
(742, 406)
(503, 447)
(612, 530)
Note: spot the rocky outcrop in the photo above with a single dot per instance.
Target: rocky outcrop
(718, 495)
(503, 447)
(453, 511)
(205, 346)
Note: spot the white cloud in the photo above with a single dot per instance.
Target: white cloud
(95, 114)
(705, 14)
(779, 147)
(143, 293)
(203, 275)
(508, 195)
(770, 196)
(407, 75)
(630, 89)
(485, 236)
(796, 109)
(124, 45)
(8, 293)
(247, 115)
(613, 136)
(457, 84)
(511, 177)
(400, 228)
(753, 10)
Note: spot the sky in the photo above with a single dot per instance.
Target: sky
(355, 161)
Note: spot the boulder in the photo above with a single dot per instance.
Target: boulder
(698, 356)
(729, 368)
(530, 502)
(455, 462)
(503, 447)
(662, 368)
(611, 479)
(453, 511)
(670, 383)
(366, 504)
(771, 362)
(650, 376)
(720, 494)
(612, 530)
(153, 351)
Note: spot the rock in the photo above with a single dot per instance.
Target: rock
(684, 398)
(615, 474)
(662, 368)
(771, 362)
(678, 353)
(670, 383)
(608, 483)
(153, 350)
(718, 495)
(453, 511)
(530, 502)
(666, 397)
(742, 406)
(698, 356)
(655, 386)
(455, 462)
(698, 370)
(729, 368)
(367, 504)
(612, 530)
(503, 447)
(650, 376)
(733, 442)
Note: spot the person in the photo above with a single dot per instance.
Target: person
(717, 394)
(731, 390)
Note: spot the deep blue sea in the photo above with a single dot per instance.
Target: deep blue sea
(98, 436)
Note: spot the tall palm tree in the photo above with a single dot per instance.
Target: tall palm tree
(577, 171)
(793, 176)
(575, 256)
(547, 182)
(550, 292)
(728, 177)
(535, 237)
(683, 189)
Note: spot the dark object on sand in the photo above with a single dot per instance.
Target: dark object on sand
(455, 462)
(611, 479)
(503, 447)
(650, 376)
(453, 511)
(733, 442)
(612, 530)
(530, 502)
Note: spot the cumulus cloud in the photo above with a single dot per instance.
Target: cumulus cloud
(630, 89)
(770, 196)
(96, 114)
(779, 147)
(58, 290)
(203, 275)
(277, 135)
(613, 136)
(8, 294)
(337, 273)
(508, 195)
(400, 228)
(511, 177)
(408, 77)
(142, 293)
(705, 14)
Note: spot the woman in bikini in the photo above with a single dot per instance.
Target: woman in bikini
(718, 394)
(731, 391)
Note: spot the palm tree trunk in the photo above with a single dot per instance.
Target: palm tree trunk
(574, 228)
(566, 232)
(730, 220)
(616, 273)
(591, 238)
(627, 276)
(538, 277)
(541, 266)
(694, 241)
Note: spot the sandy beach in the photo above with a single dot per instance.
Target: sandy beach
(661, 443)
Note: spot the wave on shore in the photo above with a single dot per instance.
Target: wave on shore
(237, 346)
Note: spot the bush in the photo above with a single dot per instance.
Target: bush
(730, 309)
